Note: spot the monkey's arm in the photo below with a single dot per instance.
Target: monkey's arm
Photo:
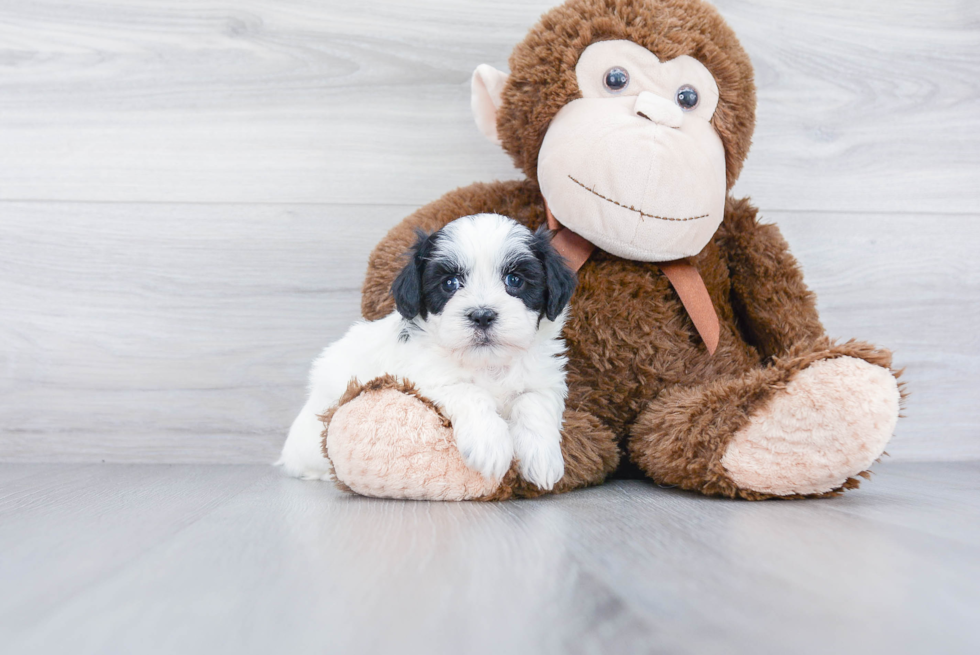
(777, 311)
(519, 200)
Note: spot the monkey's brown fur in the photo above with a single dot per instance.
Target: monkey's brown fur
(640, 379)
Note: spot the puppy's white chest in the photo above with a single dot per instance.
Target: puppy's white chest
(500, 382)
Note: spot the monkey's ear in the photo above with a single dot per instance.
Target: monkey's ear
(486, 87)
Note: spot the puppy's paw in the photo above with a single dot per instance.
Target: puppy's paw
(540, 461)
(486, 445)
(301, 455)
(303, 469)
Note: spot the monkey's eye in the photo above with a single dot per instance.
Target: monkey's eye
(450, 284)
(514, 281)
(616, 79)
(687, 97)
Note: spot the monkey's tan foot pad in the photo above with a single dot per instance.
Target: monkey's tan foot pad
(829, 424)
(389, 442)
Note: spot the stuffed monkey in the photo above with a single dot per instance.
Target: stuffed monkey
(696, 356)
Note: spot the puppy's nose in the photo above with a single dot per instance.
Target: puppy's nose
(482, 317)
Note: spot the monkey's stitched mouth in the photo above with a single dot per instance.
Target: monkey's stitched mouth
(634, 209)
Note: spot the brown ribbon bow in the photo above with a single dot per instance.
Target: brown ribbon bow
(681, 273)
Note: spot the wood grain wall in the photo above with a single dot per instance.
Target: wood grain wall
(189, 190)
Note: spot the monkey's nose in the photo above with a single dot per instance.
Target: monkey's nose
(482, 317)
(658, 109)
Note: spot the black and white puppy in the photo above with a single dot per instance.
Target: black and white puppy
(481, 305)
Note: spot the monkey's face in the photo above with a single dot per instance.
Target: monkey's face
(633, 116)
(634, 165)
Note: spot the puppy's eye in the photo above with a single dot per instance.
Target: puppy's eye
(687, 97)
(616, 79)
(514, 281)
(450, 284)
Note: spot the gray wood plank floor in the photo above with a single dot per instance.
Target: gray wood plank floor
(203, 559)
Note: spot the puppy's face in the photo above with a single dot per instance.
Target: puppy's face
(482, 284)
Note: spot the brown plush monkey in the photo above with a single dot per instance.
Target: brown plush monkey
(631, 120)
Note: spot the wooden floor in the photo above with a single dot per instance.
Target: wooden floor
(119, 558)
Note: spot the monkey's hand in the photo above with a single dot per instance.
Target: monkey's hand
(385, 439)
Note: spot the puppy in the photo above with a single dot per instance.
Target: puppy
(481, 304)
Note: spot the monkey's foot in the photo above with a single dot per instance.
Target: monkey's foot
(828, 425)
(387, 441)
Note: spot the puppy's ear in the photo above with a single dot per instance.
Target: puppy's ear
(407, 287)
(559, 278)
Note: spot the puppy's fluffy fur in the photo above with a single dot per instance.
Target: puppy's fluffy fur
(481, 304)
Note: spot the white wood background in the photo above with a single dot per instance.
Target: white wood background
(189, 191)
